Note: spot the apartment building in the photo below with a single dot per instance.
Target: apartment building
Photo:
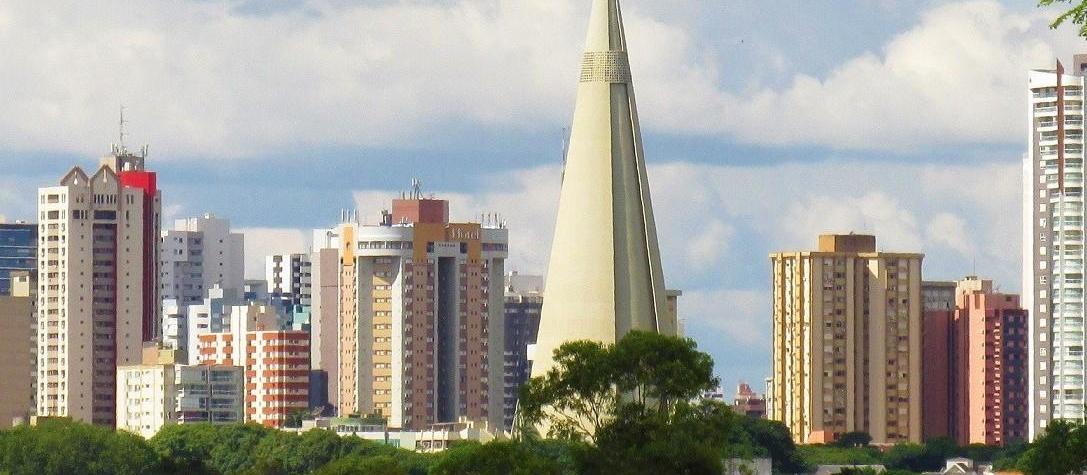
(98, 284)
(421, 316)
(198, 254)
(210, 393)
(524, 301)
(847, 341)
(18, 348)
(276, 366)
(1053, 252)
(290, 285)
(324, 325)
(160, 391)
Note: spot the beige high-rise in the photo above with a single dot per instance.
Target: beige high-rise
(604, 278)
(17, 349)
(847, 341)
(98, 284)
(421, 317)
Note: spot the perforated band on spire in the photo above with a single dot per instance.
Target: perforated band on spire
(605, 66)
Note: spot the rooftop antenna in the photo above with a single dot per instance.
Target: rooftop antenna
(121, 127)
(416, 189)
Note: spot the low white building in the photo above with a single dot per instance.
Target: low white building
(435, 438)
(161, 392)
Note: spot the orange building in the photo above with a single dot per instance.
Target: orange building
(276, 370)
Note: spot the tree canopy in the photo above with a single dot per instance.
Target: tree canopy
(1076, 13)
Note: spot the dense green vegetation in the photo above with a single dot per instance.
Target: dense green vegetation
(625, 408)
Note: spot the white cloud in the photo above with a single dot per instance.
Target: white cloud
(261, 242)
(873, 213)
(949, 230)
(200, 79)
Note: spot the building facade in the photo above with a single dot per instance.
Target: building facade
(938, 373)
(748, 402)
(290, 285)
(198, 254)
(992, 395)
(524, 300)
(324, 325)
(18, 251)
(276, 365)
(18, 348)
(147, 393)
(210, 393)
(1053, 233)
(98, 285)
(847, 341)
(421, 321)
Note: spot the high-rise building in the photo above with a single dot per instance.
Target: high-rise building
(18, 348)
(196, 255)
(604, 278)
(1053, 252)
(847, 341)
(975, 370)
(290, 285)
(991, 393)
(324, 324)
(938, 373)
(18, 251)
(524, 300)
(421, 323)
(276, 369)
(98, 284)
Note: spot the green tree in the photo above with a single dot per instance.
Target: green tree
(359, 464)
(494, 458)
(853, 439)
(631, 403)
(754, 437)
(590, 381)
(62, 446)
(1061, 450)
(1076, 13)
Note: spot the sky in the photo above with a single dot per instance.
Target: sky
(765, 123)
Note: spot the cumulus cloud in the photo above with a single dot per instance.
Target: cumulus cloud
(948, 230)
(262, 242)
(215, 79)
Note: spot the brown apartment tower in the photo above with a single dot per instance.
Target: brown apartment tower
(847, 341)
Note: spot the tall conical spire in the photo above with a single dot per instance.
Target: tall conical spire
(604, 278)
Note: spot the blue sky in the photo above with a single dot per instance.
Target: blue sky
(765, 123)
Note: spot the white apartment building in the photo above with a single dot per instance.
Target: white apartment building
(146, 398)
(196, 255)
(97, 294)
(160, 392)
(1053, 244)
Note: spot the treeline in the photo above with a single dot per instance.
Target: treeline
(629, 408)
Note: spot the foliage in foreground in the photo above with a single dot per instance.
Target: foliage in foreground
(1077, 14)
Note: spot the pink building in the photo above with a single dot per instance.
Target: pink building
(749, 403)
(276, 370)
(991, 403)
(975, 369)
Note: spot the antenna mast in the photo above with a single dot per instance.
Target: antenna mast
(121, 128)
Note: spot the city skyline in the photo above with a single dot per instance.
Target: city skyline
(720, 247)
